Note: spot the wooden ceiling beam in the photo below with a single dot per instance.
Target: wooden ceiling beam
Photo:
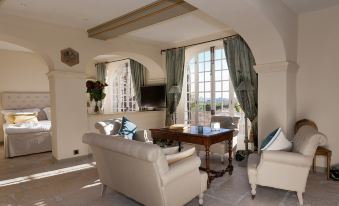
(156, 12)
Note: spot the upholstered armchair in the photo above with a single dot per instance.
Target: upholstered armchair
(221, 148)
(286, 170)
(112, 127)
(141, 172)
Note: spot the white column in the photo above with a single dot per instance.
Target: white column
(69, 116)
(276, 98)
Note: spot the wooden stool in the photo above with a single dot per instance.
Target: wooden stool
(322, 151)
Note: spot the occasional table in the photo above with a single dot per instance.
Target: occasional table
(322, 151)
(207, 138)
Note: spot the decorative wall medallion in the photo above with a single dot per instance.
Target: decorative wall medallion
(70, 57)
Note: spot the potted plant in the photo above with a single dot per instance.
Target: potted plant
(96, 93)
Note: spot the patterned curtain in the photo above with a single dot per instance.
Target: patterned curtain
(101, 72)
(240, 62)
(138, 76)
(175, 61)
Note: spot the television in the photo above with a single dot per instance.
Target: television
(153, 97)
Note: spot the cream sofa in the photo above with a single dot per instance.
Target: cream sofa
(141, 172)
(283, 169)
(221, 148)
(112, 127)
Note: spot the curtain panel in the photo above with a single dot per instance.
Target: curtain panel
(101, 72)
(138, 76)
(240, 62)
(175, 63)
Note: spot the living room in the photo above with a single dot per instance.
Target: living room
(293, 43)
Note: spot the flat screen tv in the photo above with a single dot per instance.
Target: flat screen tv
(153, 97)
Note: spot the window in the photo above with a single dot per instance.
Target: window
(209, 89)
(120, 92)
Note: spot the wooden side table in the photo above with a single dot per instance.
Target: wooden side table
(322, 151)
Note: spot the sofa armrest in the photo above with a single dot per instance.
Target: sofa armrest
(289, 158)
(180, 168)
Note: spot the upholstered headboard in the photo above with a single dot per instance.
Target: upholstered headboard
(23, 100)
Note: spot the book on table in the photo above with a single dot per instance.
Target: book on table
(179, 126)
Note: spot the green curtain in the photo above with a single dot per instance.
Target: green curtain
(175, 61)
(240, 62)
(138, 76)
(101, 72)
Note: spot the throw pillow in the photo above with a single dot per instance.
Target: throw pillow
(25, 118)
(47, 111)
(128, 128)
(276, 140)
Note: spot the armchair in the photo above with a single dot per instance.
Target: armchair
(141, 172)
(286, 170)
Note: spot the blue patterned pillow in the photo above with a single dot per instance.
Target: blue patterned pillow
(128, 128)
(269, 139)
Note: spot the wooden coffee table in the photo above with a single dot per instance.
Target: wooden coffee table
(207, 138)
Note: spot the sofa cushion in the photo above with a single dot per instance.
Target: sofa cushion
(269, 139)
(128, 128)
(278, 142)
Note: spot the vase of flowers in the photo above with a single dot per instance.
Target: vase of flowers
(95, 89)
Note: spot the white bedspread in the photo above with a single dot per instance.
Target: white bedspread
(27, 127)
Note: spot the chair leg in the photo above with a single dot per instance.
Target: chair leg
(300, 198)
(253, 191)
(103, 189)
(201, 200)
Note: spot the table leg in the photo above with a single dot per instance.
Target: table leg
(230, 157)
(207, 159)
(328, 164)
(179, 144)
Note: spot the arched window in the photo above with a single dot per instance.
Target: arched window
(120, 92)
(209, 88)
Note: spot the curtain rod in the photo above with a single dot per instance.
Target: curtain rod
(113, 61)
(204, 42)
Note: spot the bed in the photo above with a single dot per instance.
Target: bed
(25, 138)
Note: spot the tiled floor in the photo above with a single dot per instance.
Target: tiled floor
(36, 180)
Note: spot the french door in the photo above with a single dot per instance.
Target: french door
(209, 89)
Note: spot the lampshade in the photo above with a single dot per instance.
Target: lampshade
(175, 90)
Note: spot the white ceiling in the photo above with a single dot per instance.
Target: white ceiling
(12, 47)
(185, 27)
(82, 14)
(301, 6)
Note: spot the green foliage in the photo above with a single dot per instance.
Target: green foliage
(96, 90)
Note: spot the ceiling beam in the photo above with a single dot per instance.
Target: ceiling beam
(156, 12)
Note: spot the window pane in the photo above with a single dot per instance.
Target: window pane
(207, 86)
(225, 75)
(218, 54)
(201, 87)
(218, 65)
(201, 57)
(191, 68)
(192, 61)
(207, 66)
(191, 78)
(208, 96)
(218, 101)
(217, 75)
(201, 77)
(207, 76)
(224, 64)
(225, 100)
(223, 53)
(208, 55)
(192, 88)
(217, 86)
(225, 86)
(201, 67)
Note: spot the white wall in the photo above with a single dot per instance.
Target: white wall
(318, 76)
(22, 72)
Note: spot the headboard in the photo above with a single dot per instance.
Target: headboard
(23, 100)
